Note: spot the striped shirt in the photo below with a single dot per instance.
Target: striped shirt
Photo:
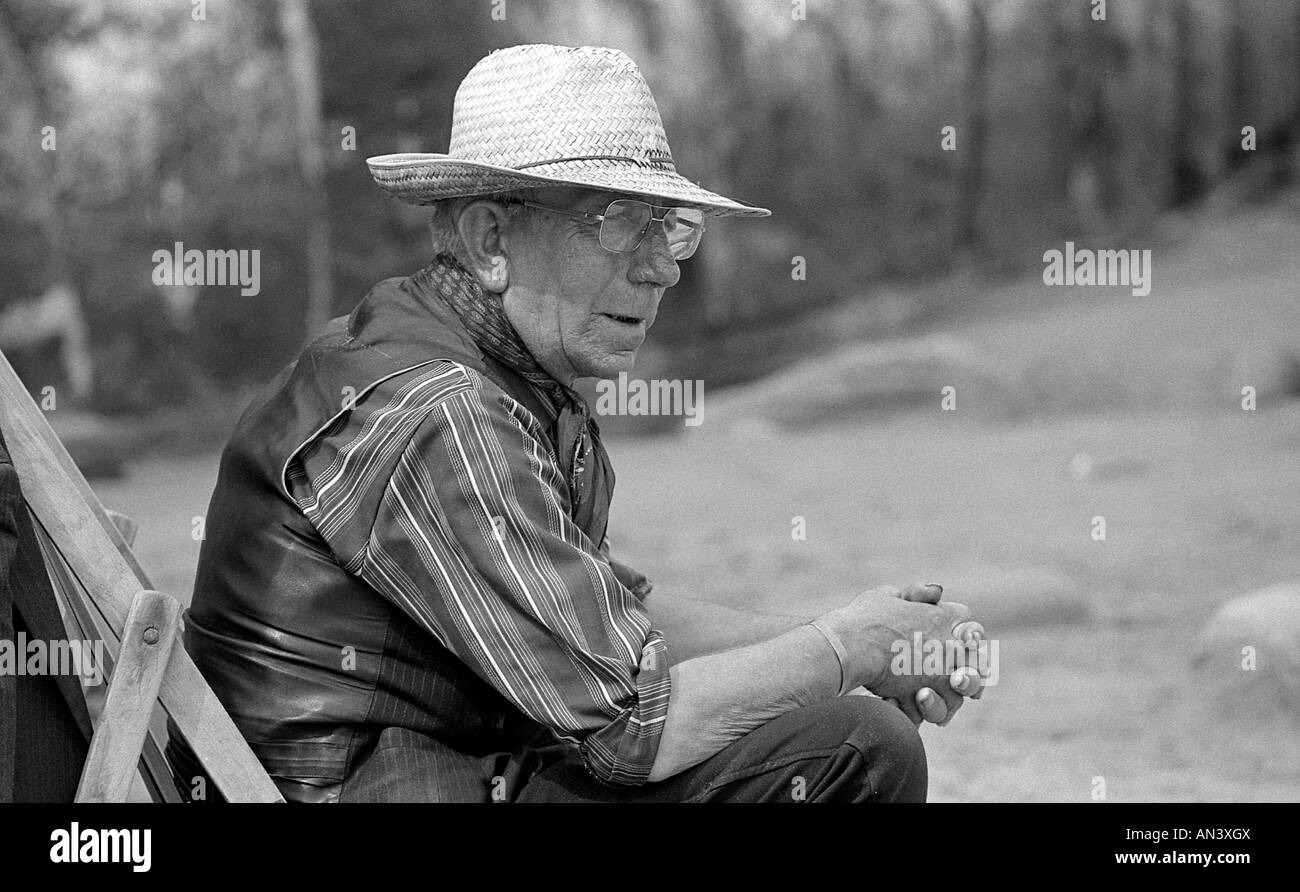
(471, 535)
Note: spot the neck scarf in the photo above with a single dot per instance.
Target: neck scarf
(483, 314)
(574, 433)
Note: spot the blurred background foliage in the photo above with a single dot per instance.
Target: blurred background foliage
(230, 132)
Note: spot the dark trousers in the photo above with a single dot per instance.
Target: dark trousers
(852, 749)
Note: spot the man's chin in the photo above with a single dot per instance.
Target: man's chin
(611, 366)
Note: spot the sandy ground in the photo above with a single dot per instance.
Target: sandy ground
(1199, 500)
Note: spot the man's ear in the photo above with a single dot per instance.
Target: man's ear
(482, 227)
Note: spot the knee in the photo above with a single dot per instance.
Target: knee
(869, 722)
(893, 763)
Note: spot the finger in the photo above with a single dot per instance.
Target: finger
(951, 700)
(967, 631)
(926, 594)
(956, 654)
(957, 612)
(975, 667)
(931, 706)
(967, 681)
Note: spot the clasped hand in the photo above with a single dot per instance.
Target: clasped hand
(881, 621)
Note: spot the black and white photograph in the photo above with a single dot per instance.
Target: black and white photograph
(650, 401)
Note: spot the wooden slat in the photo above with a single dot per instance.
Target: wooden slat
(80, 618)
(133, 688)
(59, 496)
(85, 623)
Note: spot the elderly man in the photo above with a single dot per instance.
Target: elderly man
(406, 591)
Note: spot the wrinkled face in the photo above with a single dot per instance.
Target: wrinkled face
(581, 310)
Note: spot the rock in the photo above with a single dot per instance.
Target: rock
(1084, 466)
(1247, 657)
(1081, 466)
(1076, 380)
(1007, 597)
(903, 373)
(1273, 370)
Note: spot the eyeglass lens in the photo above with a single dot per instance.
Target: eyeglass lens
(626, 221)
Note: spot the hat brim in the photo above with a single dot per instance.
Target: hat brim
(423, 178)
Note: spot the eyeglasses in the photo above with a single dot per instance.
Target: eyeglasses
(626, 221)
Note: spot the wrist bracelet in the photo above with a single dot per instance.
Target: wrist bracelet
(840, 654)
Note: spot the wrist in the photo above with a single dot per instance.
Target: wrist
(841, 654)
(866, 661)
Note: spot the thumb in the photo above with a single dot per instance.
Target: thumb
(926, 594)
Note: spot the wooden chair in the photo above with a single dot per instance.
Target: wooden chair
(107, 597)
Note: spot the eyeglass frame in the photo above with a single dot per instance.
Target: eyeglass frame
(600, 219)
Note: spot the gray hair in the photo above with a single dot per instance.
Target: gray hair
(442, 222)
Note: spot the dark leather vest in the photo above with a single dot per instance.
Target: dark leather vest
(310, 661)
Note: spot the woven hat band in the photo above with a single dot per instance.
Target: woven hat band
(666, 164)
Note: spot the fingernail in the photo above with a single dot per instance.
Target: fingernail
(926, 696)
(935, 585)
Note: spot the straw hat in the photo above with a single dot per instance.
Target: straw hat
(539, 115)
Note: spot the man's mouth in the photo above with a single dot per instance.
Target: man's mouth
(625, 320)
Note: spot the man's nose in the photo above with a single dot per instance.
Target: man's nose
(654, 263)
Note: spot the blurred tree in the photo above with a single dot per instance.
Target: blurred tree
(389, 73)
(225, 133)
(39, 286)
(302, 54)
(1188, 180)
(26, 30)
(967, 239)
